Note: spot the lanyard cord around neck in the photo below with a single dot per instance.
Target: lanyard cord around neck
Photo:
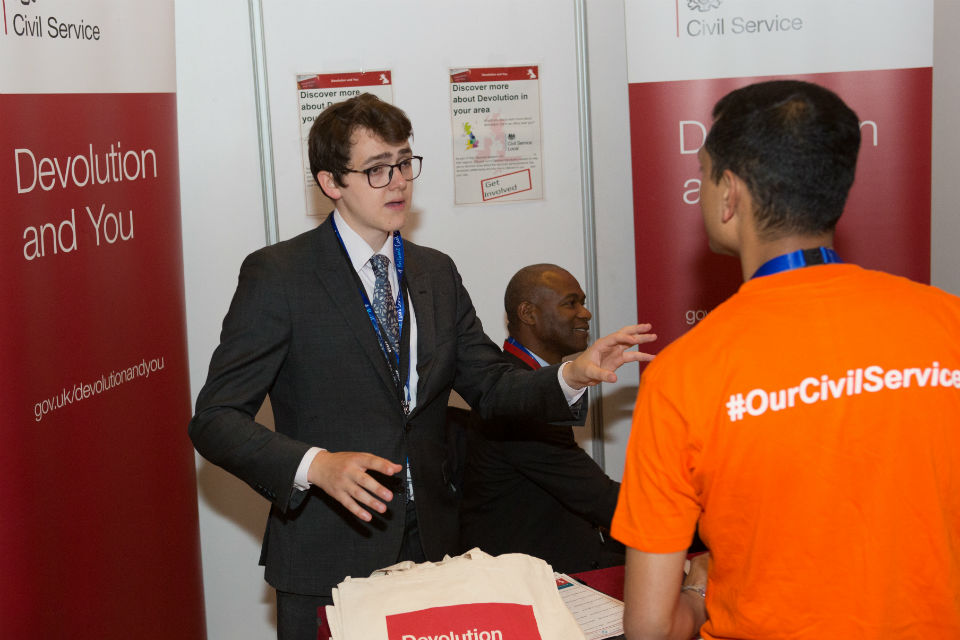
(392, 357)
(797, 260)
(513, 347)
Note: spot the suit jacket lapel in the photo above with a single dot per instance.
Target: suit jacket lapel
(336, 276)
(420, 289)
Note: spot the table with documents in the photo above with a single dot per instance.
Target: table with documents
(599, 615)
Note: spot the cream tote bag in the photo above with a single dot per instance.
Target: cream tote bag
(474, 596)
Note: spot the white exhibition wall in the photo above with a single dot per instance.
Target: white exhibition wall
(222, 222)
(945, 224)
(222, 195)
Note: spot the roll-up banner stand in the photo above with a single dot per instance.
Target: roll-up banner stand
(97, 484)
(684, 55)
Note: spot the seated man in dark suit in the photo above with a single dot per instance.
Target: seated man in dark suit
(528, 487)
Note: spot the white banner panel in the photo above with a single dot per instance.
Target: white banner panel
(693, 39)
(97, 46)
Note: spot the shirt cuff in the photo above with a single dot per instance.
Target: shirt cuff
(572, 395)
(300, 480)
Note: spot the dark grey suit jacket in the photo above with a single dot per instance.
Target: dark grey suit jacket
(529, 488)
(298, 330)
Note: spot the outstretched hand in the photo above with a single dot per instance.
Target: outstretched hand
(603, 357)
(343, 476)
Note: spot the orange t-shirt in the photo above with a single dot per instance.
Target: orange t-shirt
(812, 424)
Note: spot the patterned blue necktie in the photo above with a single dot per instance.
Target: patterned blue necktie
(383, 305)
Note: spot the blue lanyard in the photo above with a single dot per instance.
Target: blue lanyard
(401, 310)
(796, 260)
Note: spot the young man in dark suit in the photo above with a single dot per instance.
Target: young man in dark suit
(358, 337)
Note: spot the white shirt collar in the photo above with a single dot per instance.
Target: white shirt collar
(357, 248)
(543, 363)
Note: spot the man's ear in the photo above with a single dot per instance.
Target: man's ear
(328, 185)
(527, 313)
(732, 190)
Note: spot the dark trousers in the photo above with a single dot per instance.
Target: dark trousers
(410, 548)
(297, 613)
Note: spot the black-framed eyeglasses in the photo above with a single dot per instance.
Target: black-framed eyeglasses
(380, 175)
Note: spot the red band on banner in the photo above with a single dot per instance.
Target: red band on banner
(503, 621)
(885, 226)
(494, 74)
(345, 80)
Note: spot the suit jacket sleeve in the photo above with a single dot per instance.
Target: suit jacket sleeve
(253, 344)
(492, 386)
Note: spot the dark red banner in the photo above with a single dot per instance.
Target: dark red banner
(97, 481)
(886, 224)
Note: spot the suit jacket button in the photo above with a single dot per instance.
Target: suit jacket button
(407, 427)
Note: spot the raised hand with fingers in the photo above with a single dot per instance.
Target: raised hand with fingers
(601, 359)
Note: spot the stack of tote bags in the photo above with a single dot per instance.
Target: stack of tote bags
(474, 596)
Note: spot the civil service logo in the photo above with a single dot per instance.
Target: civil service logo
(703, 22)
(703, 5)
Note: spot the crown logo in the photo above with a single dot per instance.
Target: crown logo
(703, 5)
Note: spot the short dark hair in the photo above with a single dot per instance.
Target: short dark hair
(795, 145)
(331, 135)
(525, 286)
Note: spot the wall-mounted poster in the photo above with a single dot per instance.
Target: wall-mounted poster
(316, 92)
(497, 150)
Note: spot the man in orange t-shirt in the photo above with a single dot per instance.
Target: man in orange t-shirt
(810, 423)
